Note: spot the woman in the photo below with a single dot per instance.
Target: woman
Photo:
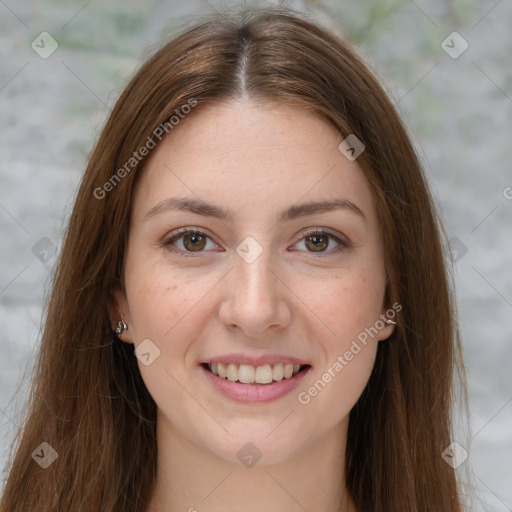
(251, 309)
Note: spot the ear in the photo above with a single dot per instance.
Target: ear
(389, 313)
(119, 310)
(386, 331)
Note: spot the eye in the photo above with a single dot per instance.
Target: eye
(194, 240)
(317, 241)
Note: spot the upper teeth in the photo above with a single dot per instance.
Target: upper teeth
(248, 374)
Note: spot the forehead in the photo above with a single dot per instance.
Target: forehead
(262, 155)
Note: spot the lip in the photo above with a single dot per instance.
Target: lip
(254, 393)
(271, 359)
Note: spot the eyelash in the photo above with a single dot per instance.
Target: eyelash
(342, 244)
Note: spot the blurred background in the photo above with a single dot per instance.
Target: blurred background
(446, 65)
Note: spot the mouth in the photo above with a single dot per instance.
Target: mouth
(262, 375)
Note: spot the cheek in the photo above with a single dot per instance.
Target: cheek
(345, 303)
(348, 305)
(161, 299)
(336, 388)
(348, 311)
(165, 307)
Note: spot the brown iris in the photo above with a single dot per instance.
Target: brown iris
(197, 241)
(320, 242)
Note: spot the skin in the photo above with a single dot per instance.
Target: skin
(256, 159)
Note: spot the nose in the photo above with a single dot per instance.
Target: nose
(255, 298)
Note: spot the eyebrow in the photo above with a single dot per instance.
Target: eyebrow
(200, 207)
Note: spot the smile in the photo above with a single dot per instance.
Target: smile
(248, 374)
(265, 383)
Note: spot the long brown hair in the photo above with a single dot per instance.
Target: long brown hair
(88, 400)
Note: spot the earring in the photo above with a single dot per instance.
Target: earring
(390, 322)
(121, 326)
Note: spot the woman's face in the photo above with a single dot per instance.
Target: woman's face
(253, 285)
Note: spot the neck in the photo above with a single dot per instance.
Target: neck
(191, 479)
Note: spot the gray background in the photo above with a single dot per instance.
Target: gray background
(458, 111)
